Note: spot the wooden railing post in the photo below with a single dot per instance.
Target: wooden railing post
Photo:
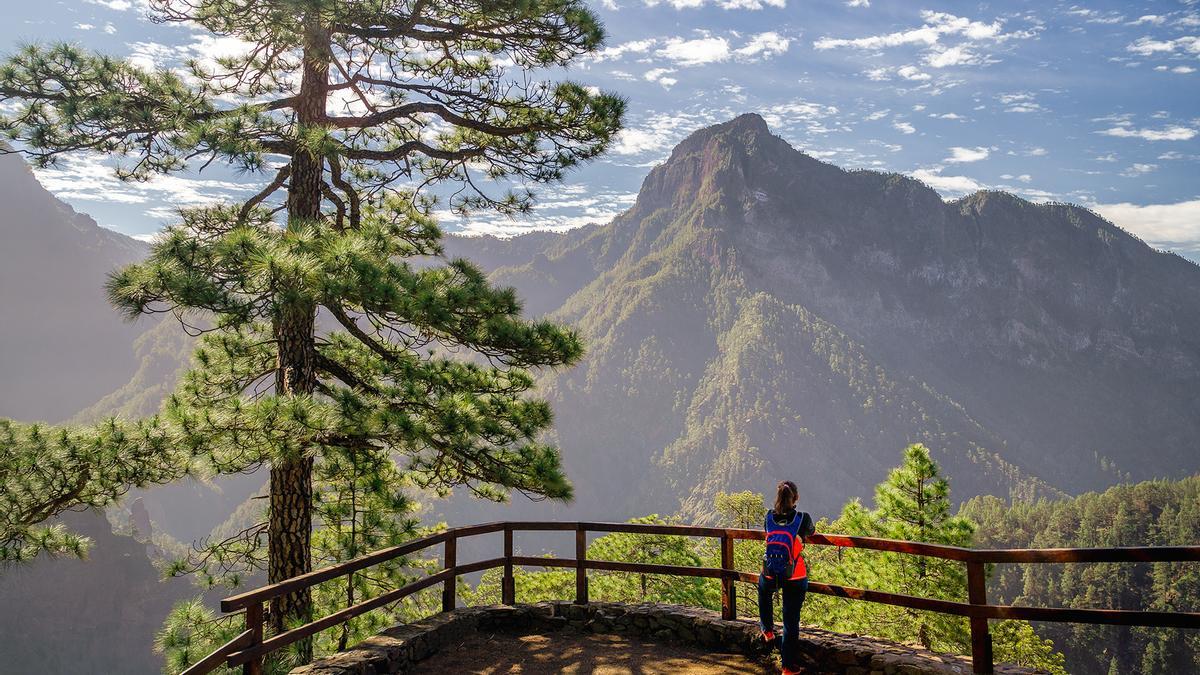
(728, 591)
(981, 641)
(508, 589)
(254, 624)
(450, 562)
(581, 585)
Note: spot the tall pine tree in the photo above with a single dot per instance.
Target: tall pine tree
(355, 111)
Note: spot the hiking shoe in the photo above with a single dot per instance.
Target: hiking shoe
(789, 671)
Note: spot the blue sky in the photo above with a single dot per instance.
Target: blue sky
(1094, 103)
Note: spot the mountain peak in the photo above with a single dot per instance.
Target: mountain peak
(750, 121)
(745, 130)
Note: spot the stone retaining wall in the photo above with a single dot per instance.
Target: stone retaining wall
(397, 649)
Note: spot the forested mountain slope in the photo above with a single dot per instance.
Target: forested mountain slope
(760, 313)
(1154, 513)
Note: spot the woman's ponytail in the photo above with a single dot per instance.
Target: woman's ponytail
(786, 497)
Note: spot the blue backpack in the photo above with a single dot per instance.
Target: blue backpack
(779, 561)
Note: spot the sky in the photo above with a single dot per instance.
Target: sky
(1094, 103)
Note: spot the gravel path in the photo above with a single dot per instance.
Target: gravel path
(575, 653)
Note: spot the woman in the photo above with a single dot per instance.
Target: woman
(784, 568)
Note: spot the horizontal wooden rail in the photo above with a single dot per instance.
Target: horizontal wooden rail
(250, 646)
(217, 658)
(332, 572)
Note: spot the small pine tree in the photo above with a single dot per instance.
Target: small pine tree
(744, 510)
(912, 504)
(1016, 642)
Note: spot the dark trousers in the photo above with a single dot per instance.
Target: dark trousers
(793, 600)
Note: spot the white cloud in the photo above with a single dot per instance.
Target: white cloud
(696, 52)
(1093, 16)
(85, 26)
(617, 51)
(1183, 70)
(1138, 169)
(551, 215)
(150, 55)
(959, 155)
(798, 111)
(712, 49)
(948, 185)
(944, 41)
(1148, 46)
(904, 127)
(109, 28)
(912, 73)
(1164, 225)
(858, 3)
(636, 142)
(877, 115)
(90, 178)
(1020, 102)
(723, 4)
(1172, 133)
(659, 132)
(1154, 19)
(149, 237)
(118, 5)
(764, 45)
(936, 25)
(659, 75)
(958, 55)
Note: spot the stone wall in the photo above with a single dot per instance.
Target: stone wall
(397, 649)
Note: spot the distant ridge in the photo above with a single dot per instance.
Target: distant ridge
(61, 345)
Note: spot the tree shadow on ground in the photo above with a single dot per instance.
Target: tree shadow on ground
(575, 653)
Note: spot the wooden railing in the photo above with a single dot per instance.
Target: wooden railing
(249, 647)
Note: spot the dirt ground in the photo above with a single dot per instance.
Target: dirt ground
(581, 653)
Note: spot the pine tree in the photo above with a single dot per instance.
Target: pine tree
(912, 504)
(356, 110)
(45, 471)
(744, 510)
(1016, 642)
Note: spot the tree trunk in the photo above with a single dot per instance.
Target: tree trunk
(289, 538)
(289, 549)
